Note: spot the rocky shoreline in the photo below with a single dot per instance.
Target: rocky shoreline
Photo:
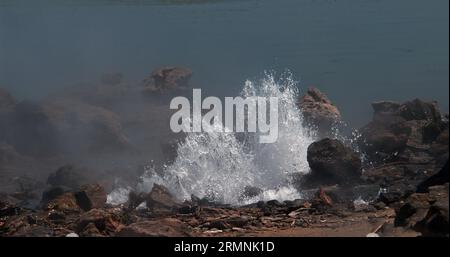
(394, 184)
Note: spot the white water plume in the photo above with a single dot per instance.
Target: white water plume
(218, 166)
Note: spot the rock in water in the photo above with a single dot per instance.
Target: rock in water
(168, 79)
(319, 111)
(332, 163)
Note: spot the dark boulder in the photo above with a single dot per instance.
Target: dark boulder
(439, 178)
(427, 213)
(332, 163)
(420, 110)
(135, 199)
(91, 196)
(161, 201)
(99, 222)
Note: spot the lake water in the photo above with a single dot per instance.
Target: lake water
(357, 51)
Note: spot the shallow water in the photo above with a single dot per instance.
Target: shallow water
(355, 51)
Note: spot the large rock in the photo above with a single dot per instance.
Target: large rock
(319, 111)
(440, 178)
(332, 163)
(161, 201)
(91, 196)
(427, 213)
(99, 222)
(65, 203)
(167, 227)
(168, 79)
(413, 132)
(420, 110)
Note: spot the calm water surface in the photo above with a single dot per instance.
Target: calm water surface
(357, 51)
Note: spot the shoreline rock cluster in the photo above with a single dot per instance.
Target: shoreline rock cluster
(399, 188)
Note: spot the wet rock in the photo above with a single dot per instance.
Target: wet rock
(99, 222)
(218, 224)
(332, 163)
(361, 205)
(167, 227)
(385, 107)
(238, 221)
(274, 203)
(319, 111)
(197, 201)
(135, 199)
(65, 203)
(439, 178)
(91, 230)
(8, 209)
(426, 212)
(168, 79)
(391, 196)
(161, 201)
(420, 110)
(69, 176)
(440, 147)
(271, 208)
(297, 204)
(91, 196)
(321, 200)
(55, 215)
(404, 132)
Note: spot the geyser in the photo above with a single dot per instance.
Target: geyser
(218, 166)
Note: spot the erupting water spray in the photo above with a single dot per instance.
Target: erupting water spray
(211, 162)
